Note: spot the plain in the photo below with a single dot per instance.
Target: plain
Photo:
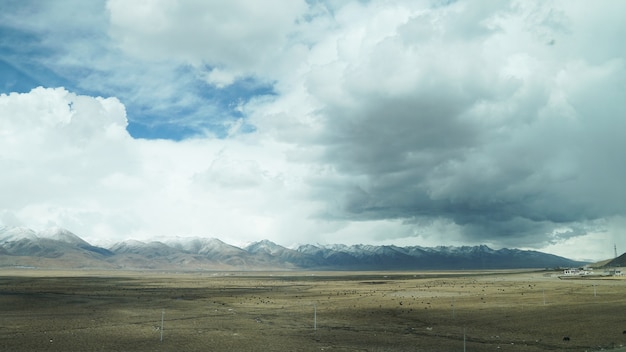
(308, 311)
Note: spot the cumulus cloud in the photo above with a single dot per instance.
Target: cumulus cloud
(67, 160)
(55, 145)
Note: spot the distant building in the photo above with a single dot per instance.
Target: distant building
(613, 272)
(576, 272)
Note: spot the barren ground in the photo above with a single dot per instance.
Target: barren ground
(278, 311)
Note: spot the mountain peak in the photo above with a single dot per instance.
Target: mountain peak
(16, 233)
(202, 245)
(265, 246)
(60, 234)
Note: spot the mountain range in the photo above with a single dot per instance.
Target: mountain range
(60, 248)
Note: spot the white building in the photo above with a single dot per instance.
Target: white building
(576, 272)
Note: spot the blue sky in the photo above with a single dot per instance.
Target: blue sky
(37, 49)
(382, 122)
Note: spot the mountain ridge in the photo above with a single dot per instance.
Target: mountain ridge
(20, 246)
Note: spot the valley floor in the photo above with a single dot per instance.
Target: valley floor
(308, 311)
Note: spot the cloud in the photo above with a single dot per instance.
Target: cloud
(476, 122)
(382, 122)
(231, 39)
(81, 46)
(55, 147)
(69, 161)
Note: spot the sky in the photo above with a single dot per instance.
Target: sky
(377, 122)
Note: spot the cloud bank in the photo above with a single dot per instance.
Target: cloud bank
(382, 122)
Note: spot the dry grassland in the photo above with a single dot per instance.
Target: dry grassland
(121, 311)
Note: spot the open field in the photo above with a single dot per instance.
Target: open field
(278, 311)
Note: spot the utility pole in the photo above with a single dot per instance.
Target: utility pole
(314, 318)
(162, 316)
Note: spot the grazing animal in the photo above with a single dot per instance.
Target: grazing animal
(624, 332)
(565, 338)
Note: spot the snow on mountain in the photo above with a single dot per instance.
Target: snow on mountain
(50, 243)
(62, 235)
(153, 249)
(198, 252)
(127, 246)
(204, 246)
(8, 234)
(311, 249)
(271, 253)
(192, 244)
(357, 251)
(414, 251)
(265, 246)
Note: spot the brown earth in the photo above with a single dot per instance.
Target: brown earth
(279, 311)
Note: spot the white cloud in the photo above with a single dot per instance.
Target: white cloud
(238, 37)
(72, 164)
(220, 78)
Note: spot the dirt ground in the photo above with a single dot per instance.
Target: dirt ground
(324, 311)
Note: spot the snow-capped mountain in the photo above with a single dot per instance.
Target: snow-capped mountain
(153, 249)
(442, 257)
(61, 248)
(53, 247)
(266, 247)
(8, 234)
(215, 250)
(270, 252)
(211, 247)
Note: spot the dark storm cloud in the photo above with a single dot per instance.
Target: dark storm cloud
(511, 144)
